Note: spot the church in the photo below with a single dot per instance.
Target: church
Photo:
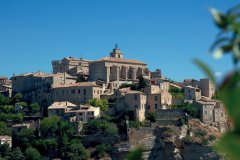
(117, 68)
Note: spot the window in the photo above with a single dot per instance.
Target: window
(84, 91)
(79, 91)
(156, 98)
(206, 112)
(148, 107)
(189, 91)
(135, 97)
(73, 91)
(156, 106)
(136, 106)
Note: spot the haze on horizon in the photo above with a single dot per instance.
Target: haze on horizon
(163, 34)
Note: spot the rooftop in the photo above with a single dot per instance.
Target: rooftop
(61, 105)
(120, 60)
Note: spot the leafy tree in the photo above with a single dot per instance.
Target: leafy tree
(109, 128)
(4, 100)
(23, 104)
(17, 117)
(17, 154)
(142, 82)
(92, 126)
(101, 150)
(34, 108)
(17, 98)
(4, 130)
(102, 103)
(151, 117)
(49, 126)
(77, 151)
(6, 108)
(5, 150)
(32, 154)
(134, 124)
(25, 137)
(136, 153)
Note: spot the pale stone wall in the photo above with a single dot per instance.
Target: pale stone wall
(220, 114)
(191, 93)
(36, 87)
(71, 65)
(109, 71)
(136, 102)
(76, 94)
(207, 88)
(206, 112)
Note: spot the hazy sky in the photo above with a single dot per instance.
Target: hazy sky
(165, 34)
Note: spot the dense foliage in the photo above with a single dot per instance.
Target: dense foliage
(102, 103)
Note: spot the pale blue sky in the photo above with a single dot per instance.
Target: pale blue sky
(165, 34)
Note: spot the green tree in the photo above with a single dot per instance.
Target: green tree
(92, 126)
(25, 137)
(4, 100)
(34, 108)
(102, 103)
(151, 117)
(109, 128)
(76, 151)
(32, 154)
(17, 154)
(136, 153)
(4, 130)
(49, 126)
(101, 150)
(142, 82)
(17, 98)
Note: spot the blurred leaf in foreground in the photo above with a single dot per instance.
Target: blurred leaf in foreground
(205, 69)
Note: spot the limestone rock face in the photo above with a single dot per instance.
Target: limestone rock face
(165, 143)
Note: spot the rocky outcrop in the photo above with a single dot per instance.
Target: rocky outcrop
(165, 143)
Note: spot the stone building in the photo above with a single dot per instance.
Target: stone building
(70, 65)
(206, 85)
(36, 86)
(116, 68)
(5, 86)
(72, 112)
(206, 111)
(213, 112)
(158, 97)
(135, 101)
(78, 93)
(192, 93)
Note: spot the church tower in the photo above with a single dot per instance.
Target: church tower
(116, 53)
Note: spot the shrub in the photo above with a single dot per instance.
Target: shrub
(134, 124)
(151, 117)
(212, 138)
(187, 139)
(205, 141)
(101, 150)
(200, 133)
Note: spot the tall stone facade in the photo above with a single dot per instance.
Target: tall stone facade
(36, 87)
(70, 65)
(116, 68)
(78, 93)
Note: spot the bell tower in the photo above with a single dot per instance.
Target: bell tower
(116, 53)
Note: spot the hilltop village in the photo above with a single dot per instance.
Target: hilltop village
(105, 108)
